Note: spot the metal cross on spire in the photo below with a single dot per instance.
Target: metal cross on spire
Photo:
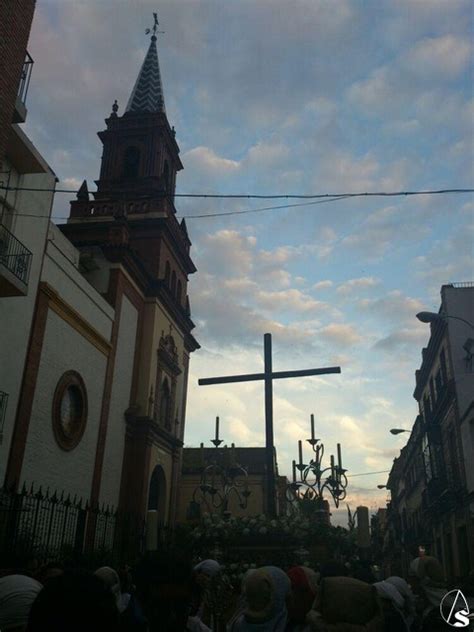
(268, 376)
(154, 27)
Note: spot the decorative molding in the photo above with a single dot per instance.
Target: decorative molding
(148, 428)
(168, 355)
(74, 319)
(69, 440)
(27, 393)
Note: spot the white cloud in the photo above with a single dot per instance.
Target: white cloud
(393, 307)
(205, 159)
(340, 334)
(323, 285)
(291, 299)
(357, 284)
(446, 56)
(402, 338)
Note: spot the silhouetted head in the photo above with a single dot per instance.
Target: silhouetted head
(164, 588)
(333, 569)
(74, 601)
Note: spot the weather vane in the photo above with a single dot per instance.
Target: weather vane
(155, 26)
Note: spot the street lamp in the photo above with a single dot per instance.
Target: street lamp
(432, 317)
(396, 431)
(382, 486)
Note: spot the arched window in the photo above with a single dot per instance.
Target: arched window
(131, 162)
(173, 282)
(179, 290)
(167, 273)
(164, 403)
(157, 493)
(166, 176)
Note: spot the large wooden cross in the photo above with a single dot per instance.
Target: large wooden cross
(268, 376)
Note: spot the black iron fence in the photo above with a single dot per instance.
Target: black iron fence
(43, 526)
(14, 255)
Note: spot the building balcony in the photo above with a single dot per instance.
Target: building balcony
(15, 264)
(19, 113)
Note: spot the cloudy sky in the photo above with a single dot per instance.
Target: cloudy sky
(300, 97)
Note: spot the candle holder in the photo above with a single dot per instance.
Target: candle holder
(314, 480)
(221, 478)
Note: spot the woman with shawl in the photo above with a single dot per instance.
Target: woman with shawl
(304, 587)
(265, 592)
(17, 594)
(397, 604)
(345, 604)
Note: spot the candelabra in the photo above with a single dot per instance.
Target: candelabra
(313, 478)
(221, 479)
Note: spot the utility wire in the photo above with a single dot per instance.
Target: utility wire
(318, 199)
(265, 208)
(368, 473)
(248, 196)
(252, 210)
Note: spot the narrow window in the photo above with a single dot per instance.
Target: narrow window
(432, 393)
(442, 361)
(131, 162)
(166, 176)
(173, 282)
(164, 402)
(167, 273)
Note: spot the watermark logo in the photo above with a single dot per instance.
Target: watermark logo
(454, 609)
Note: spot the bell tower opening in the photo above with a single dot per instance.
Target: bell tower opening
(131, 162)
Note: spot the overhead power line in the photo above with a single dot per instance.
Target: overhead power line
(285, 196)
(317, 198)
(368, 473)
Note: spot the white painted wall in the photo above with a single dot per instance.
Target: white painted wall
(120, 401)
(45, 463)
(28, 221)
(61, 272)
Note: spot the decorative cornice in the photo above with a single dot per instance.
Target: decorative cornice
(73, 318)
(148, 428)
(168, 355)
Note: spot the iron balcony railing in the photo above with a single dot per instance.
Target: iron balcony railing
(25, 78)
(14, 255)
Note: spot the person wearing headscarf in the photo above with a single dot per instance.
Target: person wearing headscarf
(265, 592)
(241, 601)
(393, 607)
(409, 611)
(17, 594)
(209, 568)
(111, 579)
(345, 604)
(427, 579)
(304, 585)
(203, 573)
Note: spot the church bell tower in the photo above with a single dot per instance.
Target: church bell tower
(133, 249)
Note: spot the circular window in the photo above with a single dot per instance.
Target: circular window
(69, 410)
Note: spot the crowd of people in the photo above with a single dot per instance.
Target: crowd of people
(166, 592)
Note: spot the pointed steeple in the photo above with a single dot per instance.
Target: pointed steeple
(147, 94)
